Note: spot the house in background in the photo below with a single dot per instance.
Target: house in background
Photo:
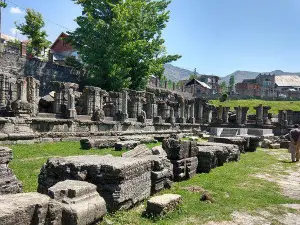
(270, 85)
(197, 87)
(60, 49)
(204, 84)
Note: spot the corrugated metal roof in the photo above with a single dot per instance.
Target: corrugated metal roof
(287, 81)
(195, 81)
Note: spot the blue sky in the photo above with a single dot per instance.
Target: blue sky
(215, 36)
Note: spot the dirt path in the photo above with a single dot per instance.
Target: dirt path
(289, 182)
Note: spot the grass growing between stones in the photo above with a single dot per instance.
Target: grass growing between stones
(233, 188)
(28, 159)
(275, 105)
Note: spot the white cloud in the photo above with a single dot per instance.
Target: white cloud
(15, 10)
(14, 31)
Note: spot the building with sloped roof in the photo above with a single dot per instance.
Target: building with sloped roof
(269, 85)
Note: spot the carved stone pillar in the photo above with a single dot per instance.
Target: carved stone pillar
(259, 115)
(266, 119)
(182, 118)
(220, 114)
(244, 114)
(238, 112)
(192, 113)
(93, 98)
(71, 104)
(225, 114)
(124, 105)
(200, 112)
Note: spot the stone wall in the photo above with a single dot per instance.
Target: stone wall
(45, 72)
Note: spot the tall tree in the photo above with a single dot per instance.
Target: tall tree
(223, 87)
(231, 81)
(32, 28)
(194, 75)
(121, 41)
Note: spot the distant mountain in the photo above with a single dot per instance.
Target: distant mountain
(241, 75)
(175, 73)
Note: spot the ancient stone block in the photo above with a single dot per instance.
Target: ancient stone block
(158, 150)
(23, 209)
(8, 181)
(122, 182)
(211, 155)
(275, 146)
(185, 168)
(138, 151)
(162, 204)
(178, 149)
(126, 145)
(80, 203)
(239, 141)
(107, 142)
(161, 167)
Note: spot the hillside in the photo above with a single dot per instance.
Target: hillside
(175, 73)
(241, 75)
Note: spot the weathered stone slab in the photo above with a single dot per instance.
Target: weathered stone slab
(162, 204)
(108, 142)
(80, 203)
(126, 145)
(211, 155)
(138, 151)
(23, 209)
(122, 182)
(161, 167)
(239, 141)
(275, 146)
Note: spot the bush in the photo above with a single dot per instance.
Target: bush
(223, 98)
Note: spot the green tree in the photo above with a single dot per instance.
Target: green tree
(32, 28)
(121, 41)
(223, 86)
(194, 75)
(2, 4)
(73, 62)
(231, 81)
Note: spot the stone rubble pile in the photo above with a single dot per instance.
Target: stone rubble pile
(122, 182)
(8, 181)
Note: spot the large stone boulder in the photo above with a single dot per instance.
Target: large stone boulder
(122, 182)
(77, 203)
(24, 209)
(9, 184)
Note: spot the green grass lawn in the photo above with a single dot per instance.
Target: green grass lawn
(275, 105)
(232, 186)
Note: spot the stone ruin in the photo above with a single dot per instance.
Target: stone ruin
(8, 181)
